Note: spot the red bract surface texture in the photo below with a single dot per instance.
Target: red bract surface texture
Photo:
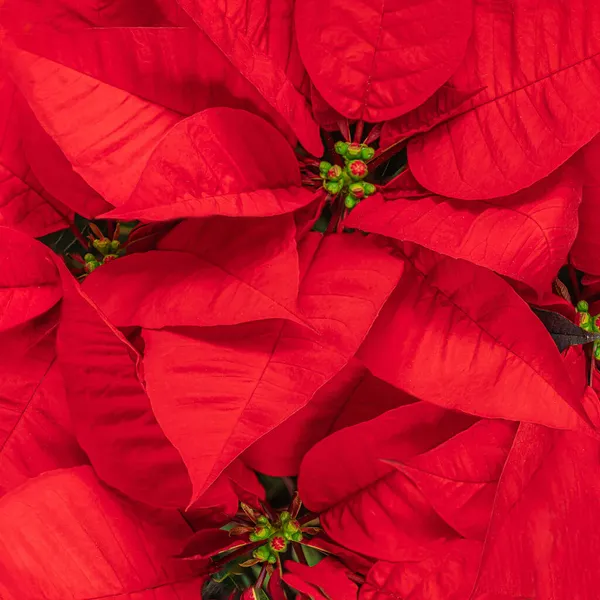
(299, 300)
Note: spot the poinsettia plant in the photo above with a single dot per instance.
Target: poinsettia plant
(299, 299)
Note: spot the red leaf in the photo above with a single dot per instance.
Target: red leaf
(351, 397)
(36, 433)
(30, 15)
(175, 67)
(261, 251)
(257, 37)
(447, 574)
(54, 171)
(241, 270)
(328, 576)
(229, 386)
(585, 254)
(459, 477)
(29, 281)
(470, 343)
(221, 161)
(532, 114)
(153, 290)
(355, 562)
(541, 542)
(377, 60)
(366, 504)
(89, 543)
(209, 542)
(274, 586)
(100, 129)
(111, 412)
(526, 236)
(24, 204)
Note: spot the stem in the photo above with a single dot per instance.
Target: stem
(79, 236)
(261, 578)
(299, 553)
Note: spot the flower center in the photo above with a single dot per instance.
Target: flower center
(349, 179)
(588, 323)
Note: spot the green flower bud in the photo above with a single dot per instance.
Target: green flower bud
(91, 266)
(333, 187)
(263, 553)
(284, 516)
(367, 153)
(585, 320)
(597, 351)
(290, 528)
(103, 246)
(350, 201)
(357, 190)
(297, 537)
(89, 257)
(324, 166)
(115, 245)
(262, 520)
(335, 173)
(354, 151)
(341, 148)
(272, 559)
(596, 324)
(261, 533)
(583, 306)
(370, 189)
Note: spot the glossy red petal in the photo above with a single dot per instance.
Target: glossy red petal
(228, 386)
(89, 543)
(101, 129)
(351, 397)
(377, 60)
(328, 575)
(447, 574)
(457, 335)
(111, 412)
(531, 114)
(257, 36)
(36, 433)
(366, 504)
(541, 541)
(221, 161)
(526, 236)
(24, 204)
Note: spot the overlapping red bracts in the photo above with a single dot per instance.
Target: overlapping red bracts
(386, 354)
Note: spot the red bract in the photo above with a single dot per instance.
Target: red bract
(531, 115)
(76, 539)
(385, 57)
(470, 343)
(369, 323)
(249, 378)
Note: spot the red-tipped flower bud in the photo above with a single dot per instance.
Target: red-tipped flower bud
(278, 543)
(357, 169)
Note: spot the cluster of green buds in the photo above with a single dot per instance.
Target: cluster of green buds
(107, 249)
(349, 179)
(276, 535)
(588, 323)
